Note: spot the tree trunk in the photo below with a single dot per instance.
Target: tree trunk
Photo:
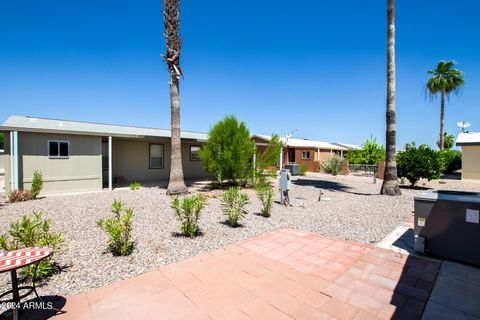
(442, 115)
(176, 184)
(390, 183)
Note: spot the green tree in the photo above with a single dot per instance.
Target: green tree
(444, 80)
(448, 141)
(271, 155)
(416, 163)
(390, 183)
(370, 153)
(171, 18)
(229, 151)
(1, 141)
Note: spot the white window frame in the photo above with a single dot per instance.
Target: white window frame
(190, 152)
(309, 155)
(150, 156)
(58, 146)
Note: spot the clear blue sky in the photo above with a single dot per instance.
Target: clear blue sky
(317, 66)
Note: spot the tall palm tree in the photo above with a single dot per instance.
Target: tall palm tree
(171, 19)
(445, 80)
(390, 182)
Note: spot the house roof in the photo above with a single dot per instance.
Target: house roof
(32, 124)
(347, 145)
(468, 138)
(303, 143)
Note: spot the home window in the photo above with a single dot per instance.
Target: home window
(195, 153)
(156, 156)
(58, 149)
(305, 155)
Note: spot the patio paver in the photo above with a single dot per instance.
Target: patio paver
(288, 274)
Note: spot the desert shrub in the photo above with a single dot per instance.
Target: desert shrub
(271, 155)
(37, 183)
(134, 186)
(33, 231)
(265, 195)
(332, 164)
(417, 163)
(119, 229)
(20, 196)
(303, 169)
(187, 211)
(451, 160)
(370, 153)
(229, 151)
(233, 205)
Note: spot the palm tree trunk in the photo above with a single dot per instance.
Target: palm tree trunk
(390, 183)
(176, 184)
(442, 115)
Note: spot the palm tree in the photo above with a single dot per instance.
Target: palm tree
(390, 182)
(445, 80)
(448, 141)
(171, 19)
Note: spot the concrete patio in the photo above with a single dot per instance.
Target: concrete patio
(282, 275)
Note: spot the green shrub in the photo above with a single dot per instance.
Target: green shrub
(37, 183)
(229, 151)
(265, 195)
(233, 205)
(20, 196)
(119, 229)
(33, 231)
(187, 211)
(271, 155)
(417, 163)
(451, 160)
(303, 169)
(134, 186)
(370, 153)
(332, 165)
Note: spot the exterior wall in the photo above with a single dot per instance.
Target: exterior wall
(81, 171)
(2, 160)
(6, 161)
(471, 162)
(131, 161)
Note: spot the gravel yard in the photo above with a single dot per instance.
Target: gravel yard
(350, 209)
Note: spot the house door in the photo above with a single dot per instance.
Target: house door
(291, 155)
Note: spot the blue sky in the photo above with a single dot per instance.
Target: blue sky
(316, 66)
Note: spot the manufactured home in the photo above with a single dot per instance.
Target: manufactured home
(302, 151)
(470, 143)
(82, 156)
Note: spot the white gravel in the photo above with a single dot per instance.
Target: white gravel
(352, 209)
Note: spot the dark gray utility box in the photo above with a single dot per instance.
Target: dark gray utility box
(447, 225)
(294, 168)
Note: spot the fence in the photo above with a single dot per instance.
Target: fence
(367, 169)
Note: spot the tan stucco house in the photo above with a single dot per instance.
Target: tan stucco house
(308, 152)
(81, 156)
(470, 143)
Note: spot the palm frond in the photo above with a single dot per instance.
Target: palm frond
(171, 19)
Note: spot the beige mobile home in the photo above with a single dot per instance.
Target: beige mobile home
(470, 143)
(81, 156)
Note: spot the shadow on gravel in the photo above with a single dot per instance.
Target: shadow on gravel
(35, 309)
(226, 223)
(402, 186)
(183, 235)
(328, 185)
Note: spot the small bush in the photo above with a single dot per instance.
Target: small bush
(233, 205)
(303, 169)
(187, 211)
(451, 160)
(37, 183)
(332, 165)
(416, 163)
(119, 229)
(265, 195)
(134, 186)
(33, 231)
(20, 196)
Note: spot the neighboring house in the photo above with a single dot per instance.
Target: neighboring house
(81, 156)
(470, 143)
(309, 152)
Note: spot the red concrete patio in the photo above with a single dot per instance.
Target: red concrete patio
(288, 274)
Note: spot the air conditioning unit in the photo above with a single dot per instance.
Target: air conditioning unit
(294, 168)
